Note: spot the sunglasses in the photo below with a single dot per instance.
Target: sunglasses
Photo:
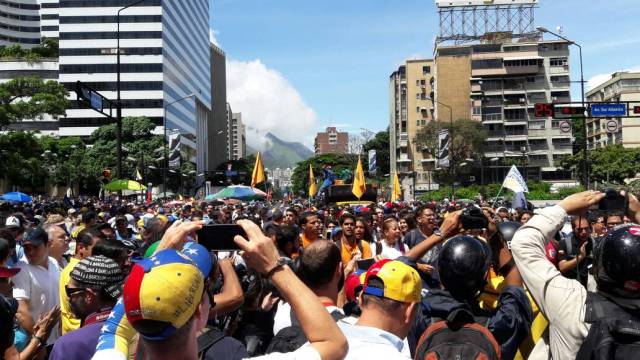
(71, 291)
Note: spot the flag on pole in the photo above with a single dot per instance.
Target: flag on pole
(519, 201)
(514, 181)
(313, 188)
(396, 193)
(359, 184)
(258, 172)
(138, 176)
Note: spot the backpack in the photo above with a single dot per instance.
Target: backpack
(359, 245)
(614, 332)
(292, 338)
(459, 337)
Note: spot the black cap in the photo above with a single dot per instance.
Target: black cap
(36, 237)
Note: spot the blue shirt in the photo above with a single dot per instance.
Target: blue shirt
(78, 344)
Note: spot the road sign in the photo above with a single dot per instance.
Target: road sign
(565, 126)
(96, 101)
(612, 126)
(606, 110)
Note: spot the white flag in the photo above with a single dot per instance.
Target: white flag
(519, 201)
(514, 181)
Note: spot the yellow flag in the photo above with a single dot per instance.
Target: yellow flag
(359, 185)
(313, 188)
(258, 172)
(396, 193)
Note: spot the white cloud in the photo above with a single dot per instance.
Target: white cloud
(213, 36)
(268, 103)
(596, 80)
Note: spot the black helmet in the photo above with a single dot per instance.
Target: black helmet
(501, 238)
(617, 262)
(507, 229)
(463, 263)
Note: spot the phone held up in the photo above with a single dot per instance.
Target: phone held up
(613, 202)
(219, 237)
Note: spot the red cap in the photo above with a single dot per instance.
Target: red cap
(6, 272)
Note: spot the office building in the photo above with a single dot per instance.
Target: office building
(331, 142)
(218, 128)
(20, 21)
(623, 86)
(506, 78)
(165, 56)
(237, 135)
(411, 109)
(280, 178)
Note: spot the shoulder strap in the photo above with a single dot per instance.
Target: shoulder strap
(378, 247)
(567, 243)
(208, 339)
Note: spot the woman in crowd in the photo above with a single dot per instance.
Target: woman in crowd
(407, 223)
(362, 231)
(391, 245)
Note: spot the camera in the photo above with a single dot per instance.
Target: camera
(473, 218)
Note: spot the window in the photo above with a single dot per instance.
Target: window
(558, 61)
(417, 109)
(426, 70)
(477, 110)
(423, 82)
(418, 96)
(417, 82)
(531, 79)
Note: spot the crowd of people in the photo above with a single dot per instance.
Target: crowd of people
(94, 279)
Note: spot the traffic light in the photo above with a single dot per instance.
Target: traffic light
(567, 111)
(543, 110)
(636, 109)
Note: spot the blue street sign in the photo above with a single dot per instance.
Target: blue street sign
(606, 110)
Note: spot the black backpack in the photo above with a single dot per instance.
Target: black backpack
(292, 338)
(614, 332)
(461, 336)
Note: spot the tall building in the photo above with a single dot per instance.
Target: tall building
(49, 18)
(623, 86)
(165, 56)
(331, 142)
(218, 129)
(20, 23)
(237, 136)
(411, 108)
(498, 82)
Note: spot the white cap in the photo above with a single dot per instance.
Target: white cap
(71, 211)
(12, 222)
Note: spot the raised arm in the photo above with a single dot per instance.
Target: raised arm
(318, 326)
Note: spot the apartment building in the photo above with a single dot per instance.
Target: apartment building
(331, 142)
(505, 80)
(411, 108)
(237, 135)
(218, 129)
(623, 86)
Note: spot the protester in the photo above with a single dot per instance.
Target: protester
(584, 325)
(58, 244)
(349, 246)
(94, 286)
(391, 245)
(573, 251)
(310, 224)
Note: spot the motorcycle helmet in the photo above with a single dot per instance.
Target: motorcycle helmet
(463, 264)
(617, 262)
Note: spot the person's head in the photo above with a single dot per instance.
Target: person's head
(16, 225)
(361, 231)
(85, 241)
(286, 239)
(35, 243)
(6, 286)
(581, 228)
(89, 218)
(11, 240)
(617, 262)
(94, 283)
(58, 240)
(503, 213)
(426, 218)
(320, 267)
(379, 215)
(463, 265)
(391, 230)
(107, 231)
(278, 216)
(524, 216)
(348, 225)
(311, 224)
(121, 224)
(291, 216)
(392, 291)
(598, 224)
(406, 223)
(613, 220)
(166, 299)
(115, 250)
(153, 230)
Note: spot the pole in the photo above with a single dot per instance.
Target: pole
(164, 142)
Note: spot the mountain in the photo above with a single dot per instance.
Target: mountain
(282, 154)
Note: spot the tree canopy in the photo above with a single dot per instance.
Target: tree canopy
(27, 98)
(338, 162)
(380, 143)
(611, 164)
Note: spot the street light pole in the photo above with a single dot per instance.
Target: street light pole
(450, 131)
(585, 156)
(118, 100)
(164, 129)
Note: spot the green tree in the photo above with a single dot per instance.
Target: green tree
(300, 176)
(21, 161)
(380, 143)
(467, 140)
(48, 48)
(30, 98)
(611, 164)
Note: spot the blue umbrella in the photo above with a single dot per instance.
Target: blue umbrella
(16, 196)
(239, 192)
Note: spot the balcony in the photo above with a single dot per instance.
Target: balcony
(403, 158)
(559, 69)
(403, 140)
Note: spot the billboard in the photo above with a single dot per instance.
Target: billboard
(456, 3)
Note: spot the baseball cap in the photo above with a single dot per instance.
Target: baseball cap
(36, 237)
(71, 211)
(12, 222)
(6, 272)
(100, 271)
(165, 289)
(353, 284)
(400, 282)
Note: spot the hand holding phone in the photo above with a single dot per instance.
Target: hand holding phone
(614, 202)
(219, 237)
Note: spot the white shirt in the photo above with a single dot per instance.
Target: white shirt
(282, 318)
(367, 343)
(306, 352)
(389, 252)
(39, 286)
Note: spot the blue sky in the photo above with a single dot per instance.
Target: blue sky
(315, 63)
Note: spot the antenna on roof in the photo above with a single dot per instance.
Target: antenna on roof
(560, 29)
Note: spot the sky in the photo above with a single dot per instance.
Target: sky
(295, 67)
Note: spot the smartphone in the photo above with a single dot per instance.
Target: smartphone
(365, 264)
(613, 202)
(219, 237)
